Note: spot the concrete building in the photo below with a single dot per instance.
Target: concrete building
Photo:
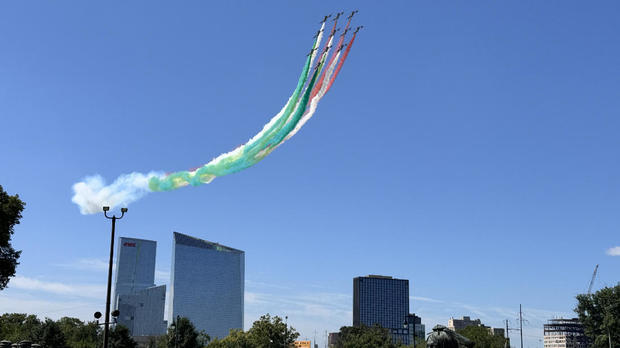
(302, 344)
(207, 284)
(332, 339)
(458, 324)
(140, 303)
(564, 333)
(384, 300)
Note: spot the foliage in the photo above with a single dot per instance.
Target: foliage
(120, 338)
(183, 333)
(365, 337)
(79, 334)
(266, 332)
(51, 335)
(482, 337)
(271, 332)
(16, 327)
(10, 212)
(600, 315)
(236, 339)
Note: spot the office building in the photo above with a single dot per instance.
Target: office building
(333, 339)
(140, 303)
(459, 324)
(207, 285)
(565, 333)
(383, 300)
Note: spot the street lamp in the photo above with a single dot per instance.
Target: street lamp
(106, 324)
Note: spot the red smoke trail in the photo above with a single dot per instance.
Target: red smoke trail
(317, 87)
(344, 57)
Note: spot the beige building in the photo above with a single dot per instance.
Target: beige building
(303, 344)
(564, 333)
(458, 324)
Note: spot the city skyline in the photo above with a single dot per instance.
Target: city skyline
(467, 147)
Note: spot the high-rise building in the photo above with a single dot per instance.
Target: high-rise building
(140, 303)
(207, 284)
(565, 333)
(382, 300)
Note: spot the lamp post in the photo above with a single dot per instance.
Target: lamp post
(106, 324)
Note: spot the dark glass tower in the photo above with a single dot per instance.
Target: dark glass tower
(382, 300)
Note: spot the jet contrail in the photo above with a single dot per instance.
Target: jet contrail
(92, 193)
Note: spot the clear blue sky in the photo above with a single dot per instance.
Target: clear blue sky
(470, 147)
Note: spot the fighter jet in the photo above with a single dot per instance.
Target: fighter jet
(341, 47)
(345, 32)
(358, 29)
(325, 19)
(338, 15)
(352, 14)
(317, 33)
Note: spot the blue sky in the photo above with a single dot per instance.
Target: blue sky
(471, 148)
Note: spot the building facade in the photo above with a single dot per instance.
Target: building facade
(207, 285)
(565, 333)
(140, 303)
(382, 300)
(459, 324)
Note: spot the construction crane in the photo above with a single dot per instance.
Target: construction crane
(592, 280)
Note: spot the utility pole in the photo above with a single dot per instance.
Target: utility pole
(521, 324)
(507, 338)
(609, 337)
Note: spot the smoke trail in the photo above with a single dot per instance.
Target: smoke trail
(92, 193)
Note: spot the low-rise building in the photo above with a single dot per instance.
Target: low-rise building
(565, 333)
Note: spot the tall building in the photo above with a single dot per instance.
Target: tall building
(382, 300)
(207, 284)
(140, 303)
(564, 333)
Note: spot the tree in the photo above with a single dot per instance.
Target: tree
(268, 332)
(120, 338)
(600, 315)
(79, 334)
(17, 327)
(365, 337)
(183, 334)
(51, 335)
(236, 339)
(482, 337)
(10, 212)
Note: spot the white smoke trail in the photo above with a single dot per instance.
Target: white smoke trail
(92, 194)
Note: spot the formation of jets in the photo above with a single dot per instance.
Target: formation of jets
(343, 33)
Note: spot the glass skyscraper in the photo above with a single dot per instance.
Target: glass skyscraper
(207, 285)
(382, 300)
(140, 303)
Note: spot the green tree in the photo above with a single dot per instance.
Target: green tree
(600, 315)
(365, 337)
(120, 338)
(482, 337)
(183, 333)
(17, 327)
(79, 334)
(10, 212)
(236, 339)
(51, 335)
(268, 332)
